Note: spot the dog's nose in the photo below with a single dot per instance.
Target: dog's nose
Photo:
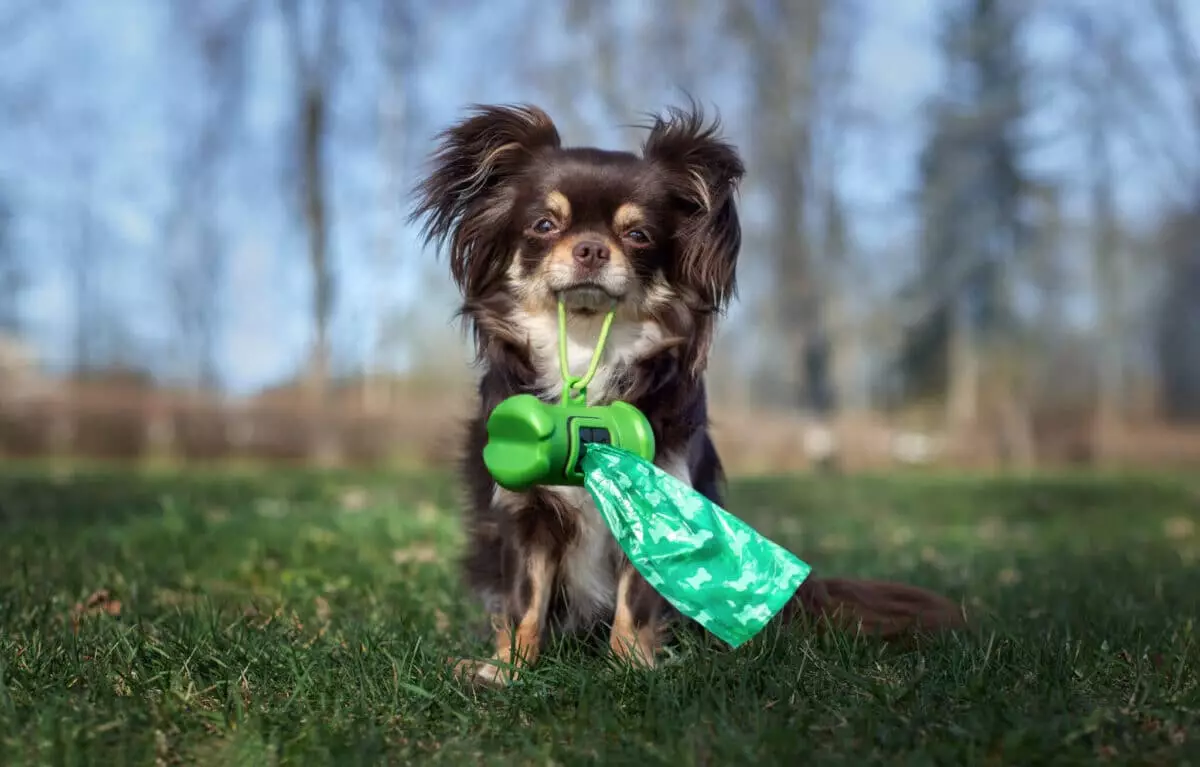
(591, 254)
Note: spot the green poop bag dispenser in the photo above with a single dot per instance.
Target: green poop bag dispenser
(531, 442)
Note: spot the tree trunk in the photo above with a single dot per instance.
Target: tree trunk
(962, 401)
(314, 73)
(1110, 391)
(313, 184)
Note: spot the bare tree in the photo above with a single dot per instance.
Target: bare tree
(975, 237)
(837, 119)
(14, 273)
(1179, 313)
(1106, 255)
(799, 63)
(785, 39)
(218, 40)
(1186, 61)
(601, 22)
(395, 120)
(557, 77)
(314, 69)
(1104, 60)
(81, 258)
(13, 277)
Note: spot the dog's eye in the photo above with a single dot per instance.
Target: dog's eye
(638, 236)
(543, 226)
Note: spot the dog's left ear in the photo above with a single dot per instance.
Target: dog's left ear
(704, 172)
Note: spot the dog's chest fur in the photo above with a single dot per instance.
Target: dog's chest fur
(628, 341)
(587, 575)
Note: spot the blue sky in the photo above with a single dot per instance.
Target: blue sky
(115, 92)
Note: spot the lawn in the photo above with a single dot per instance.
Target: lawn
(301, 618)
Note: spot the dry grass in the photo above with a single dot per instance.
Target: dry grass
(418, 425)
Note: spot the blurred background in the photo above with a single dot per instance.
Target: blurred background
(971, 226)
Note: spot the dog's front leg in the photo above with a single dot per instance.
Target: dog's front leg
(638, 628)
(518, 630)
(519, 642)
(636, 635)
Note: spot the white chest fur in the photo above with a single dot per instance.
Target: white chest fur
(627, 342)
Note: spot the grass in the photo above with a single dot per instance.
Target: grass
(291, 618)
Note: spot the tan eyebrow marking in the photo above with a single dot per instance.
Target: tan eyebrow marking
(628, 215)
(559, 205)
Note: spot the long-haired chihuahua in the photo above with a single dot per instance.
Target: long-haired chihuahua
(529, 222)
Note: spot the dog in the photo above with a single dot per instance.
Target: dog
(529, 221)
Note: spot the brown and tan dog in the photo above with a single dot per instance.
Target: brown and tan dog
(528, 220)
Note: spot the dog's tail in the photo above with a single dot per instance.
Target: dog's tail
(881, 608)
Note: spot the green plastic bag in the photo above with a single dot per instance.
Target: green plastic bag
(710, 565)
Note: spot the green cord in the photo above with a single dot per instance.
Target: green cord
(576, 388)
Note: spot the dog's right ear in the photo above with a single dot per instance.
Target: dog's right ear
(467, 197)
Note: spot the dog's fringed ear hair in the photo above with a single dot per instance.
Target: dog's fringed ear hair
(704, 173)
(467, 198)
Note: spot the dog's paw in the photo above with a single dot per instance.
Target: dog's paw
(482, 673)
(633, 656)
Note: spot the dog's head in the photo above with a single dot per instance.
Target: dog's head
(529, 221)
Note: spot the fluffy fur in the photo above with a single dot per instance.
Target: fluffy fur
(526, 220)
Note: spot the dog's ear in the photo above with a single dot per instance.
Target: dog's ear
(468, 197)
(703, 173)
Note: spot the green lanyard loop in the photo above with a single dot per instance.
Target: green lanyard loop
(575, 387)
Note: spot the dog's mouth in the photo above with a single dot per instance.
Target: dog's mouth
(588, 298)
